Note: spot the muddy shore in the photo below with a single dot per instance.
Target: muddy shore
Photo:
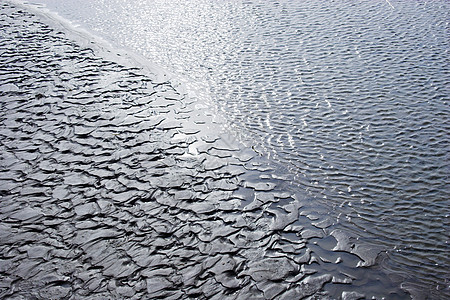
(113, 185)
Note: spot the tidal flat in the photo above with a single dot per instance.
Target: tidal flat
(116, 183)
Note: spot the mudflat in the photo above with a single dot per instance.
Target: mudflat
(109, 188)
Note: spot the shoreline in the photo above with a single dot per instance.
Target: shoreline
(98, 44)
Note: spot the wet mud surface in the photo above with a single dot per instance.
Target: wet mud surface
(110, 189)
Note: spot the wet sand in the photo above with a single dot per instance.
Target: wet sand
(113, 185)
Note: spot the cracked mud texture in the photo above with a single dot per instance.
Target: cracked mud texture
(109, 189)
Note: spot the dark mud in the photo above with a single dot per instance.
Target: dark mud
(110, 189)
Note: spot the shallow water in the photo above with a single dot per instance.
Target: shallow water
(351, 96)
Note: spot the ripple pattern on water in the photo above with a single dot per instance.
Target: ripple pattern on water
(355, 99)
